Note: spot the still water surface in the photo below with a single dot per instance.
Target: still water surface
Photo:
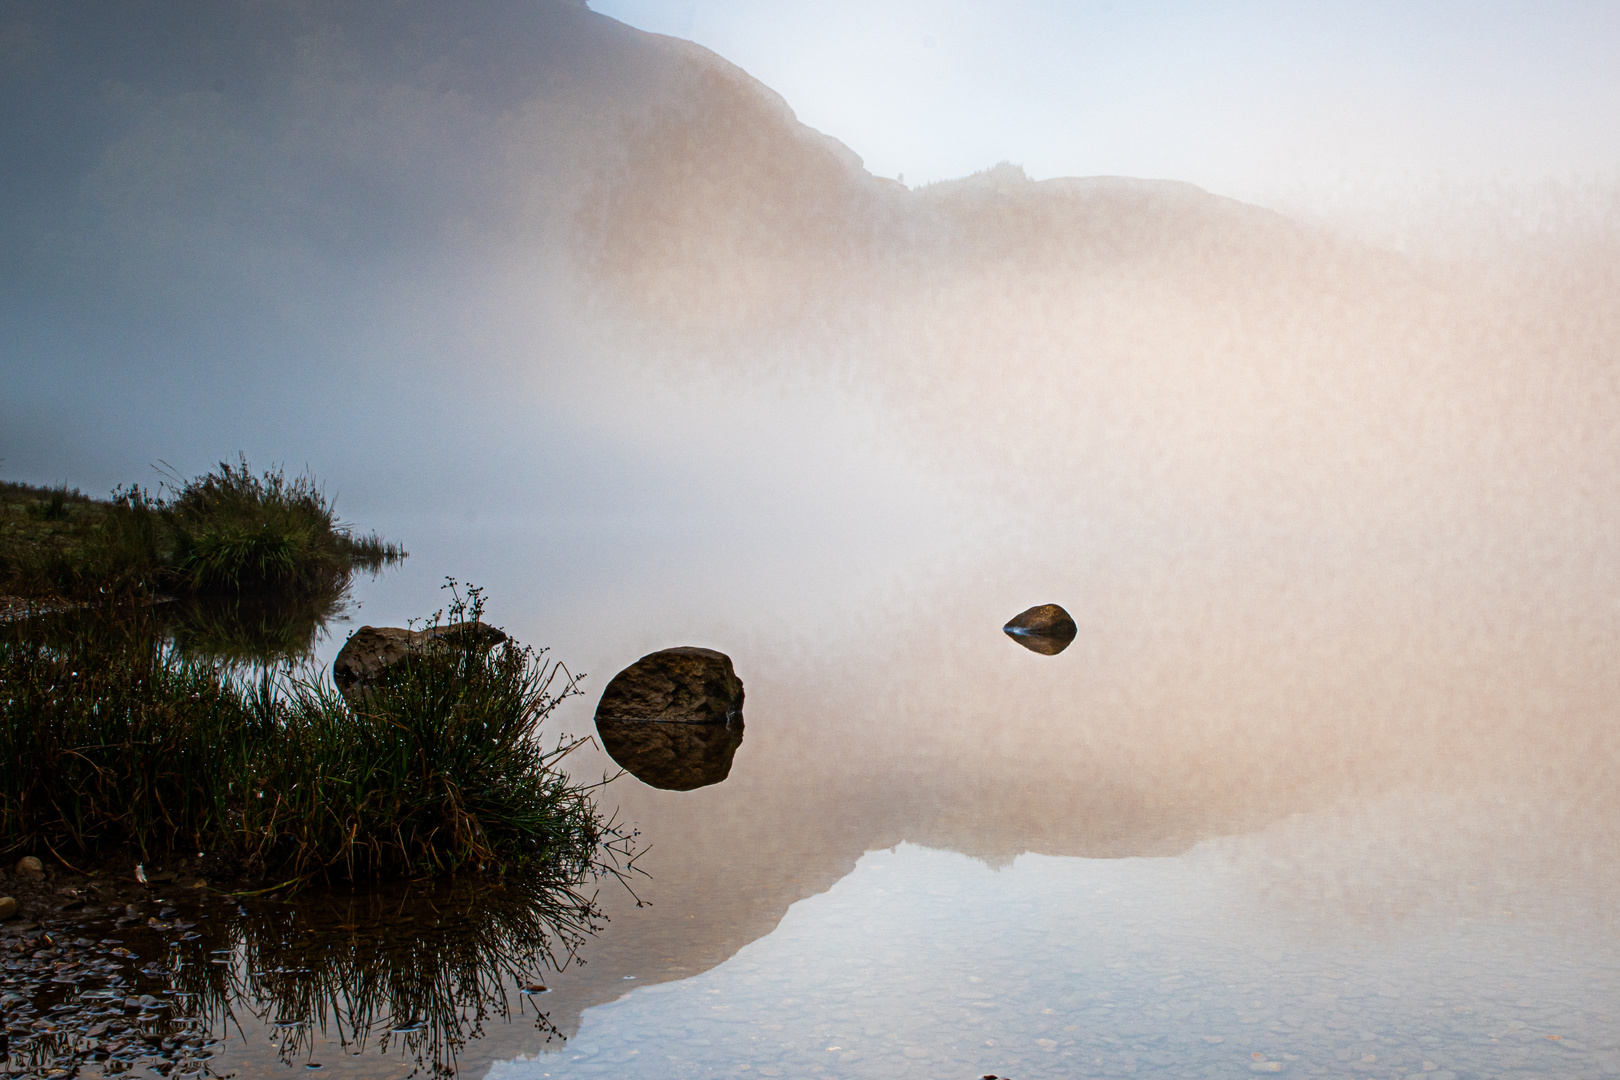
(1282, 814)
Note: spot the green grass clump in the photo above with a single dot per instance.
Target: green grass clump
(108, 738)
(115, 738)
(235, 532)
(227, 532)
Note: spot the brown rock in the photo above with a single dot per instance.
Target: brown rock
(8, 908)
(684, 685)
(673, 719)
(1046, 629)
(372, 650)
(30, 867)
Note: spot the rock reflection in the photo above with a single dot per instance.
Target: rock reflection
(1046, 629)
(672, 756)
(414, 973)
(673, 719)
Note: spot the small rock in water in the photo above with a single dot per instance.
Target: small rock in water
(1046, 629)
(685, 685)
(673, 719)
(30, 867)
(8, 907)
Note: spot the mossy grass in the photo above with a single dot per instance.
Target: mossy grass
(230, 531)
(115, 738)
(57, 543)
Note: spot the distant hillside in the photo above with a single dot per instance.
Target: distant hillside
(1177, 352)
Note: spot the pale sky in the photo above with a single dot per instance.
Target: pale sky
(1257, 100)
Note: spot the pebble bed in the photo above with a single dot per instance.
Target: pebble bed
(89, 997)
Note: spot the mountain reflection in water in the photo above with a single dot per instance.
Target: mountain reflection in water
(928, 964)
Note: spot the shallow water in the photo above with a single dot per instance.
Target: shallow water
(1299, 814)
(1353, 817)
(928, 963)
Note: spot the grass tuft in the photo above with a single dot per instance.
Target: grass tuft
(115, 737)
(229, 532)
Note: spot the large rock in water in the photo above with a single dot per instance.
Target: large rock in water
(673, 719)
(1046, 629)
(372, 650)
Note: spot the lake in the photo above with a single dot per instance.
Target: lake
(587, 318)
(1260, 816)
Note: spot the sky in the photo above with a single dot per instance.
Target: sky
(1262, 100)
(311, 233)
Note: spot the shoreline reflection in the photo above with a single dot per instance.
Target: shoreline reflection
(411, 972)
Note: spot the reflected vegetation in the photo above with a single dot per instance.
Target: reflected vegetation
(673, 719)
(174, 986)
(252, 631)
(245, 633)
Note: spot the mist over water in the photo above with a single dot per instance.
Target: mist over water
(586, 317)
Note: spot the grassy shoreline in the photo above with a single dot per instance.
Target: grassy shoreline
(115, 740)
(227, 532)
(121, 734)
